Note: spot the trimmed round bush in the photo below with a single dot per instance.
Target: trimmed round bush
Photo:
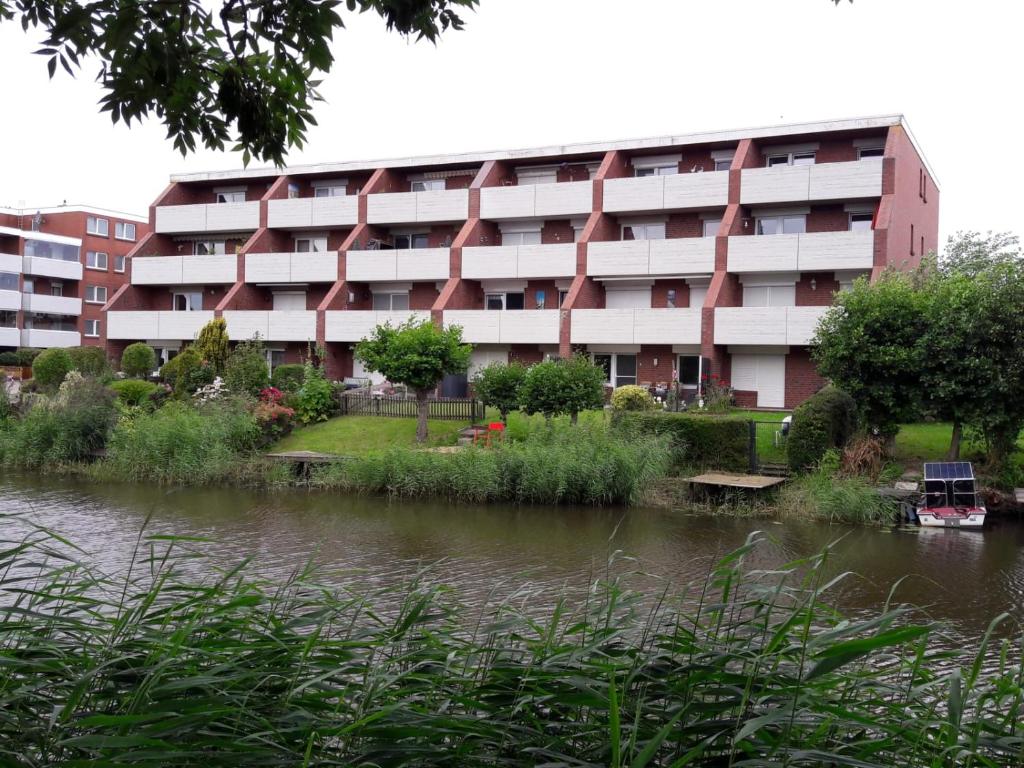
(246, 369)
(89, 361)
(50, 368)
(138, 360)
(632, 398)
(27, 356)
(288, 377)
(826, 420)
(134, 391)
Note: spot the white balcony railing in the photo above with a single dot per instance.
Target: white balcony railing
(10, 262)
(406, 264)
(31, 337)
(522, 261)
(291, 267)
(675, 256)
(51, 305)
(208, 217)
(659, 193)
(636, 326)
(358, 324)
(10, 300)
(569, 198)
(415, 207)
(10, 337)
(214, 269)
(272, 325)
(303, 212)
(774, 326)
(810, 252)
(803, 183)
(41, 267)
(160, 325)
(512, 326)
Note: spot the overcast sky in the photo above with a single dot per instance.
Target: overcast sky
(536, 72)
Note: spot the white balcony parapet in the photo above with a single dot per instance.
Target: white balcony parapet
(674, 256)
(51, 305)
(809, 252)
(42, 267)
(358, 324)
(10, 300)
(510, 326)
(416, 207)
(519, 261)
(10, 262)
(31, 337)
(213, 269)
(674, 192)
(636, 326)
(405, 264)
(162, 324)
(10, 337)
(773, 326)
(313, 267)
(804, 183)
(208, 217)
(568, 198)
(304, 212)
(272, 325)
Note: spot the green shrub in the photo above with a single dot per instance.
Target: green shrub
(288, 377)
(315, 399)
(718, 442)
(138, 360)
(89, 361)
(245, 371)
(632, 398)
(820, 495)
(10, 358)
(134, 391)
(50, 367)
(181, 372)
(27, 356)
(825, 420)
(557, 387)
(212, 344)
(498, 385)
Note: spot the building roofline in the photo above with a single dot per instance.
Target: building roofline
(47, 237)
(594, 147)
(74, 208)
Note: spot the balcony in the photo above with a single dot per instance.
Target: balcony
(303, 212)
(10, 262)
(10, 337)
(30, 337)
(272, 325)
(51, 305)
(10, 300)
(510, 326)
(569, 198)
(519, 261)
(405, 264)
(773, 326)
(418, 207)
(208, 217)
(357, 324)
(661, 193)
(42, 267)
(810, 252)
(160, 325)
(184, 270)
(291, 267)
(636, 326)
(806, 183)
(675, 256)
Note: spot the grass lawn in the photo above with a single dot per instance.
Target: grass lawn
(359, 435)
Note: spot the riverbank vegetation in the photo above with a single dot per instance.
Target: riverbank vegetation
(748, 668)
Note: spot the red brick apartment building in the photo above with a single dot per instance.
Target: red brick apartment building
(671, 256)
(58, 267)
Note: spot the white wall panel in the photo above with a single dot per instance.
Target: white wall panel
(696, 190)
(10, 262)
(801, 323)
(548, 260)
(368, 266)
(764, 253)
(233, 217)
(391, 207)
(354, 325)
(643, 193)
(292, 325)
(835, 251)
(53, 305)
(781, 184)
(839, 181)
(133, 325)
(507, 202)
(568, 198)
(180, 218)
(751, 325)
(66, 270)
(10, 300)
(40, 338)
(295, 212)
(335, 211)
(423, 264)
(682, 255)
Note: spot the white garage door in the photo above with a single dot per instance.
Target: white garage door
(764, 374)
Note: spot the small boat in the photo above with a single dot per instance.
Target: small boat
(950, 497)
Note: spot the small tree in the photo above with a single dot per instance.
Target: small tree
(418, 355)
(212, 344)
(50, 368)
(245, 371)
(498, 385)
(89, 361)
(138, 360)
(557, 387)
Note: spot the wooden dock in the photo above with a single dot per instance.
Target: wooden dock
(728, 480)
(304, 461)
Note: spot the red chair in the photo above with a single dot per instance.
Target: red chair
(495, 431)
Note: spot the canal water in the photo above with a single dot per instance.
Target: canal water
(963, 578)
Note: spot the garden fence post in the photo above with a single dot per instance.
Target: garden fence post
(752, 446)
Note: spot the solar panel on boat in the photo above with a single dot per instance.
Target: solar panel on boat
(949, 470)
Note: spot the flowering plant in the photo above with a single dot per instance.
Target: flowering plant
(275, 420)
(717, 395)
(215, 390)
(271, 395)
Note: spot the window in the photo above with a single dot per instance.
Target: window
(330, 190)
(8, 318)
(769, 295)
(56, 289)
(723, 165)
(95, 294)
(43, 250)
(644, 231)
(275, 357)
(670, 298)
(97, 226)
(562, 296)
(390, 302)
(689, 371)
(911, 239)
(92, 328)
(657, 170)
(790, 158)
(411, 241)
(310, 244)
(619, 370)
(188, 301)
(783, 224)
(865, 152)
(124, 230)
(527, 176)
(8, 281)
(230, 195)
(208, 247)
(28, 286)
(711, 227)
(119, 262)
(539, 299)
(922, 245)
(861, 222)
(95, 260)
(428, 185)
(924, 186)
(293, 191)
(512, 300)
(531, 237)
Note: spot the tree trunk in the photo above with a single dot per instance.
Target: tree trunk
(574, 417)
(504, 418)
(423, 410)
(954, 441)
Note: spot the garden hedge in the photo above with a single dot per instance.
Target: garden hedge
(826, 420)
(288, 377)
(719, 442)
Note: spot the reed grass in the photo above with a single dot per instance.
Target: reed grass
(750, 668)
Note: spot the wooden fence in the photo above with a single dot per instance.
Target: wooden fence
(449, 408)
